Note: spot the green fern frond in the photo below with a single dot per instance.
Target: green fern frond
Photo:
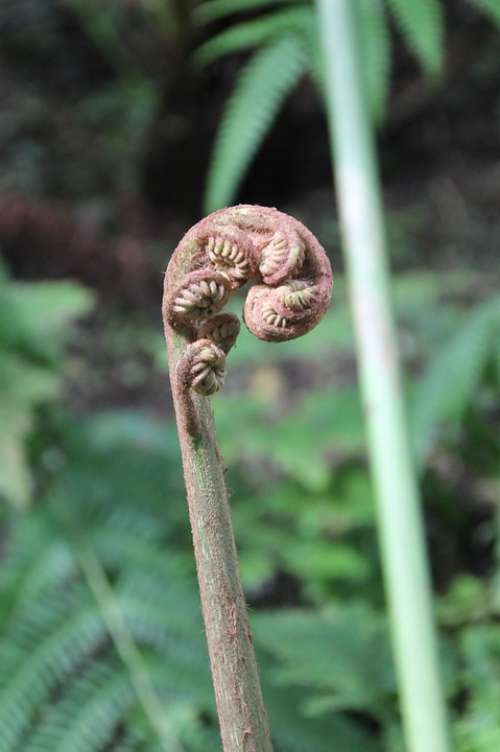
(296, 732)
(462, 361)
(55, 565)
(51, 660)
(491, 8)
(250, 111)
(376, 50)
(65, 632)
(422, 24)
(352, 638)
(250, 34)
(86, 717)
(216, 9)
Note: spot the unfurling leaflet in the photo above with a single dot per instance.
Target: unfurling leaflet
(291, 288)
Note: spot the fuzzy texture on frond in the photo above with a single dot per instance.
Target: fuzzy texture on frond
(252, 107)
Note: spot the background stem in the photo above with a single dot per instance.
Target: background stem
(242, 715)
(399, 516)
(128, 651)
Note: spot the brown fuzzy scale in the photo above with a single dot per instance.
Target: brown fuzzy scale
(291, 290)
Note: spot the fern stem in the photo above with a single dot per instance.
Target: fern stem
(399, 514)
(240, 707)
(291, 290)
(127, 650)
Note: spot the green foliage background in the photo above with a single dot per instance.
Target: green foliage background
(101, 640)
(98, 596)
(288, 46)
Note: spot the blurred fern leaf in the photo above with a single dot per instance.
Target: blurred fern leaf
(422, 24)
(35, 320)
(490, 7)
(454, 374)
(244, 36)
(250, 111)
(215, 9)
(376, 50)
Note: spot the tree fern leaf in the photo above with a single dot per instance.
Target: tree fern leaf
(216, 9)
(375, 46)
(50, 662)
(249, 113)
(452, 377)
(422, 24)
(312, 48)
(85, 717)
(491, 8)
(33, 627)
(245, 36)
(353, 639)
(53, 566)
(293, 732)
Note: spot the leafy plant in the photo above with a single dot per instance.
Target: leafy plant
(469, 351)
(35, 320)
(68, 682)
(115, 478)
(287, 47)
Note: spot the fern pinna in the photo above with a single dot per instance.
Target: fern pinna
(286, 47)
(66, 683)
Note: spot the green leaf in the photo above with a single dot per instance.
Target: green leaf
(35, 317)
(352, 638)
(298, 445)
(245, 36)
(478, 729)
(252, 107)
(376, 52)
(422, 24)
(15, 474)
(22, 387)
(453, 376)
(490, 7)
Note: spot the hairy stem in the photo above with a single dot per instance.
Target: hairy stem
(400, 519)
(242, 716)
(291, 290)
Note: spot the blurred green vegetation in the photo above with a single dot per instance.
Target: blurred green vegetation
(106, 127)
(107, 506)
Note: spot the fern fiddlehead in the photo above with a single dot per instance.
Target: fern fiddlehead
(291, 289)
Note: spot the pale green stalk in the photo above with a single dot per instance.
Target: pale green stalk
(399, 516)
(111, 612)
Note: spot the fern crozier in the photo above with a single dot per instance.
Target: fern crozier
(291, 286)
